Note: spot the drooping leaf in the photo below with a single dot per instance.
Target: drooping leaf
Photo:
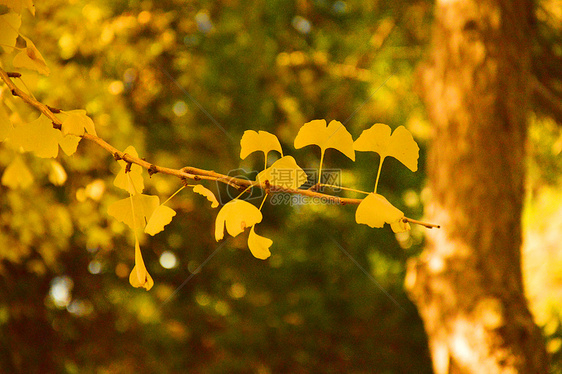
(159, 218)
(139, 276)
(400, 145)
(335, 135)
(375, 211)
(263, 141)
(259, 245)
(38, 137)
(31, 58)
(143, 206)
(283, 173)
(57, 174)
(19, 5)
(17, 175)
(135, 184)
(207, 193)
(76, 121)
(9, 25)
(237, 215)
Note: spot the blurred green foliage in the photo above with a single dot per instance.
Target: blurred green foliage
(181, 81)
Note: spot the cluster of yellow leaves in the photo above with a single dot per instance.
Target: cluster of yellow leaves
(375, 210)
(143, 212)
(28, 57)
(43, 140)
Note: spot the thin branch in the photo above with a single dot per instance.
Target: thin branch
(187, 172)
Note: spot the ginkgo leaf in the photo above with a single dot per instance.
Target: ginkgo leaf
(375, 211)
(38, 137)
(142, 205)
(17, 175)
(9, 25)
(259, 245)
(400, 226)
(76, 121)
(5, 124)
(237, 215)
(159, 218)
(133, 182)
(31, 58)
(139, 276)
(283, 173)
(57, 174)
(263, 141)
(400, 145)
(207, 193)
(18, 5)
(335, 135)
(68, 143)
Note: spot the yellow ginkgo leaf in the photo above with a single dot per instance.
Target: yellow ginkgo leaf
(76, 121)
(133, 182)
(375, 211)
(159, 218)
(18, 5)
(335, 135)
(259, 245)
(139, 276)
(57, 174)
(283, 173)
(134, 215)
(68, 143)
(207, 193)
(5, 124)
(31, 58)
(38, 137)
(237, 215)
(9, 25)
(17, 175)
(400, 145)
(263, 141)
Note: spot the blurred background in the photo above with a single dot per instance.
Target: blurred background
(182, 81)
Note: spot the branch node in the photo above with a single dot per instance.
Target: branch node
(13, 74)
(128, 167)
(57, 126)
(116, 156)
(53, 110)
(152, 170)
(14, 93)
(196, 177)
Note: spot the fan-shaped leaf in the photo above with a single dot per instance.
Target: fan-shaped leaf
(335, 135)
(17, 175)
(76, 121)
(237, 215)
(143, 206)
(159, 218)
(263, 141)
(284, 173)
(400, 145)
(375, 211)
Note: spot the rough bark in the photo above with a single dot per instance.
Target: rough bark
(467, 284)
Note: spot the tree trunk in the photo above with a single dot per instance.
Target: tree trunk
(467, 283)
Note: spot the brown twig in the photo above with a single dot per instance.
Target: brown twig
(187, 172)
